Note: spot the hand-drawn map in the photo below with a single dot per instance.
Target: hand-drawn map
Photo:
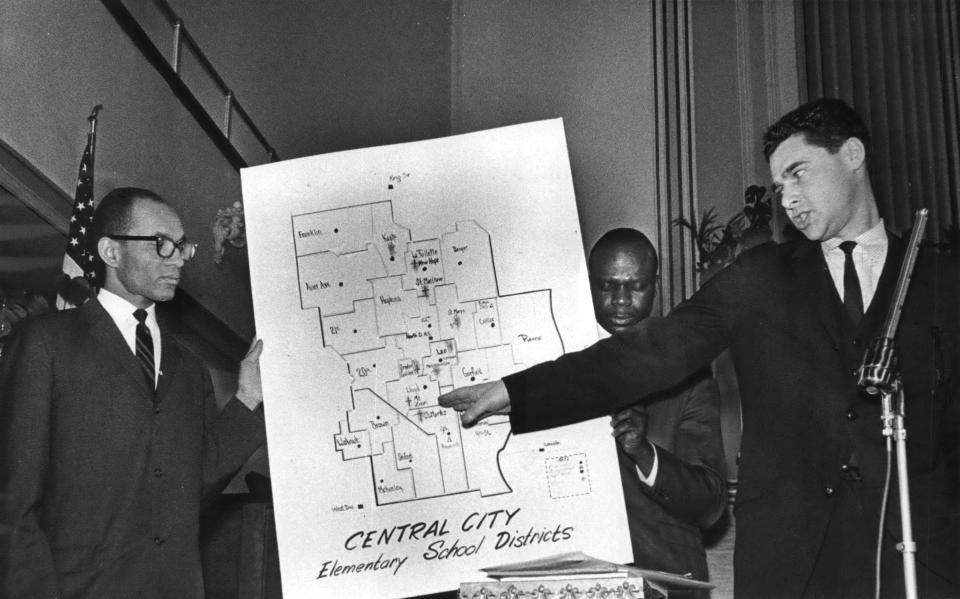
(383, 278)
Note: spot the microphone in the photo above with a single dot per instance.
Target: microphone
(879, 372)
(881, 364)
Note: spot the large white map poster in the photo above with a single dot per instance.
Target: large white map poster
(382, 278)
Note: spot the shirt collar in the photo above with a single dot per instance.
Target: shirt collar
(120, 310)
(871, 240)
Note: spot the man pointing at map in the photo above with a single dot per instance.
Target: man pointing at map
(811, 472)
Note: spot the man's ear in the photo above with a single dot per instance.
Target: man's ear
(854, 152)
(108, 249)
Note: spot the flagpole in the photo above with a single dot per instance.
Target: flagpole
(92, 119)
(92, 146)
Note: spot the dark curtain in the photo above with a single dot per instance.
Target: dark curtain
(896, 62)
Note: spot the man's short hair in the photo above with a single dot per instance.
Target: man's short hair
(114, 216)
(627, 236)
(827, 123)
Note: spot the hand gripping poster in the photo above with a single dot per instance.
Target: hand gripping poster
(381, 278)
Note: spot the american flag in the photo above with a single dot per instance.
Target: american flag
(77, 260)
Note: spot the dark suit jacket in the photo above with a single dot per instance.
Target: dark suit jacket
(803, 417)
(100, 486)
(690, 490)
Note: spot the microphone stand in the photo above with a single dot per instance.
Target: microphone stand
(879, 374)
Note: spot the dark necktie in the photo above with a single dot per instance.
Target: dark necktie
(852, 299)
(145, 347)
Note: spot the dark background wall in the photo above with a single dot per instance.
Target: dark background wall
(335, 75)
(590, 63)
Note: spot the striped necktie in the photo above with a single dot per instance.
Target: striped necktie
(145, 348)
(852, 298)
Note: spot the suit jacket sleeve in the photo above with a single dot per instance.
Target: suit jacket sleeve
(691, 481)
(613, 372)
(230, 437)
(26, 375)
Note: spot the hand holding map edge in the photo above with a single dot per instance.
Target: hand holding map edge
(249, 389)
(477, 402)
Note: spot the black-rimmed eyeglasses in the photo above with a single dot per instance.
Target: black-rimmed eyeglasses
(165, 245)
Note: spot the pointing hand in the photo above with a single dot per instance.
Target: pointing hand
(477, 402)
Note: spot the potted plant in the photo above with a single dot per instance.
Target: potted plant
(718, 244)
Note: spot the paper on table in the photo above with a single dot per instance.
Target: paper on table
(579, 564)
(562, 564)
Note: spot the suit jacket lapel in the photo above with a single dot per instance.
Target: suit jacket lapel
(815, 287)
(880, 305)
(170, 359)
(113, 346)
(814, 291)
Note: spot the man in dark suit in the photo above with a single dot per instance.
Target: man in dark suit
(109, 430)
(812, 455)
(670, 449)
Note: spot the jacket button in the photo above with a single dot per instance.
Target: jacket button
(852, 415)
(156, 410)
(834, 347)
(158, 472)
(157, 541)
(828, 491)
(845, 468)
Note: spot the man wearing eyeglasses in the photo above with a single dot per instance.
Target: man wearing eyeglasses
(109, 434)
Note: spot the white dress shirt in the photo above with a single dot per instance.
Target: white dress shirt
(121, 311)
(650, 479)
(868, 257)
